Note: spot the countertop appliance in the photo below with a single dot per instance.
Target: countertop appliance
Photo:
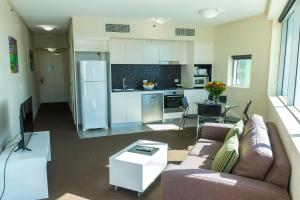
(200, 82)
(173, 100)
(93, 94)
(152, 107)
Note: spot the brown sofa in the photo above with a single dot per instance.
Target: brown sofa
(193, 179)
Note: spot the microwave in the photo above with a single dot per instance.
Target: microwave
(199, 82)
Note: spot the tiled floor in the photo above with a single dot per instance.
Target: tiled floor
(167, 125)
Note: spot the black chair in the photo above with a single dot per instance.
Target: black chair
(208, 113)
(185, 114)
(245, 116)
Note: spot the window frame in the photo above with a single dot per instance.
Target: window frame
(293, 90)
(234, 67)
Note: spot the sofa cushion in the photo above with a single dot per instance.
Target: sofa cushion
(256, 155)
(237, 129)
(195, 162)
(280, 171)
(227, 155)
(206, 148)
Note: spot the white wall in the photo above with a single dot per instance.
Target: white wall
(14, 88)
(248, 36)
(94, 28)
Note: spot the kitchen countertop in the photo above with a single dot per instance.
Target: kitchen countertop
(159, 89)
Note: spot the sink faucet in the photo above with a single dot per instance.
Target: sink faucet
(124, 86)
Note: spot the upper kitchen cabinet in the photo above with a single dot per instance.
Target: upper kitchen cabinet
(151, 52)
(147, 52)
(204, 53)
(168, 51)
(134, 52)
(183, 53)
(118, 49)
(92, 45)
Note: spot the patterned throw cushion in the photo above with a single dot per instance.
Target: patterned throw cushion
(237, 129)
(227, 156)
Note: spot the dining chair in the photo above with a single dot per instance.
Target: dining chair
(207, 113)
(245, 116)
(185, 113)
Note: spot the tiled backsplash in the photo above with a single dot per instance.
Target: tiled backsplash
(164, 75)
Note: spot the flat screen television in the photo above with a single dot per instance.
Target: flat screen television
(26, 123)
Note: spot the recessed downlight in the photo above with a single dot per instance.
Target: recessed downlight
(210, 13)
(51, 49)
(47, 27)
(161, 20)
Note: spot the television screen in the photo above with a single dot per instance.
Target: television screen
(26, 122)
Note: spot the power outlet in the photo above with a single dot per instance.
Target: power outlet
(176, 80)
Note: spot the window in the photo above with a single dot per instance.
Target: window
(288, 87)
(286, 50)
(240, 71)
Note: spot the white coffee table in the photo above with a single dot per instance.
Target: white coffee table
(136, 171)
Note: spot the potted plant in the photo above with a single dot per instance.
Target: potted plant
(215, 89)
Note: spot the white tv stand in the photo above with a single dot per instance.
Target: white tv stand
(26, 171)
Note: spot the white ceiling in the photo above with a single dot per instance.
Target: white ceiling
(58, 12)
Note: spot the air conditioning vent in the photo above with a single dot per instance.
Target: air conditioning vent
(184, 32)
(117, 28)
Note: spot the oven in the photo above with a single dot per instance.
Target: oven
(173, 100)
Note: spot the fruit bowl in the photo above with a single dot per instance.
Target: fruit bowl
(148, 86)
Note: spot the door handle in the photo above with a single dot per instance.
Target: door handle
(42, 80)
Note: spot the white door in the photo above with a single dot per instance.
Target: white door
(151, 52)
(93, 70)
(117, 51)
(134, 52)
(133, 107)
(118, 107)
(52, 84)
(94, 109)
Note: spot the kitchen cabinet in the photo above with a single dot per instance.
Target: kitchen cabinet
(133, 107)
(147, 52)
(134, 52)
(204, 53)
(183, 53)
(118, 107)
(91, 45)
(118, 49)
(126, 107)
(195, 96)
(168, 51)
(151, 52)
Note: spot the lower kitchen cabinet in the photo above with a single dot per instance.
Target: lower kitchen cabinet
(118, 107)
(133, 107)
(126, 107)
(193, 97)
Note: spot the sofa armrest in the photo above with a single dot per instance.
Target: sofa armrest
(215, 131)
(180, 183)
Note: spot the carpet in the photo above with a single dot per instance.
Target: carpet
(79, 167)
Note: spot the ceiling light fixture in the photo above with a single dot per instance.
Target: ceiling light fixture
(161, 20)
(210, 13)
(51, 49)
(47, 27)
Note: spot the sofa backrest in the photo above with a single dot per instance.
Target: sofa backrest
(256, 156)
(280, 171)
